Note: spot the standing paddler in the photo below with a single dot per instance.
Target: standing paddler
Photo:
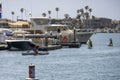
(89, 44)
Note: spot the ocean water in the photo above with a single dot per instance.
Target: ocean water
(102, 62)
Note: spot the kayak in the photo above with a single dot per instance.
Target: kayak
(32, 53)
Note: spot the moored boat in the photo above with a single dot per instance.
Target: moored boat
(83, 35)
(20, 44)
(44, 24)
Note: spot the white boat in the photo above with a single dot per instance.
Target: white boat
(20, 44)
(18, 41)
(84, 35)
(42, 22)
(4, 34)
(22, 40)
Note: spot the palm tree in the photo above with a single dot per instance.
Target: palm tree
(13, 13)
(49, 12)
(21, 10)
(78, 16)
(57, 9)
(90, 10)
(86, 7)
(86, 15)
(44, 14)
(78, 11)
(82, 12)
(66, 16)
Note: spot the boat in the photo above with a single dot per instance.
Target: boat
(44, 24)
(84, 35)
(23, 40)
(32, 53)
(20, 44)
(18, 41)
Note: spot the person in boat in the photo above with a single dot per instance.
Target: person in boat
(89, 43)
(110, 42)
(35, 49)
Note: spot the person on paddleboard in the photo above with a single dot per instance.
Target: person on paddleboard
(110, 42)
(35, 49)
(89, 43)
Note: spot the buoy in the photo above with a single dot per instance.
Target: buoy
(31, 72)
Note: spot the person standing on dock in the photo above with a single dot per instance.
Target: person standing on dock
(110, 42)
(90, 45)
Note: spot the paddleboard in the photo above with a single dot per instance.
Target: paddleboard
(32, 53)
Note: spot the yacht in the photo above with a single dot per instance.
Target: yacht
(44, 24)
(18, 41)
(23, 40)
(84, 35)
(20, 44)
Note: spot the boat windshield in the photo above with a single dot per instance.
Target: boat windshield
(40, 21)
(55, 27)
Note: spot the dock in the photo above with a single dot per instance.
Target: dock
(71, 45)
(3, 47)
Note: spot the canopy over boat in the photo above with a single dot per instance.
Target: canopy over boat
(20, 24)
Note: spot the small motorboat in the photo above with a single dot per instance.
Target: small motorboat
(33, 53)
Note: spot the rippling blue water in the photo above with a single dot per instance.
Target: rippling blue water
(99, 63)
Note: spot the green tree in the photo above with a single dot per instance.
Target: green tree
(49, 12)
(22, 10)
(90, 10)
(44, 14)
(66, 16)
(86, 8)
(57, 9)
(13, 13)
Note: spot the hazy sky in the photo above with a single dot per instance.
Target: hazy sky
(101, 8)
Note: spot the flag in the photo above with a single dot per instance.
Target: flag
(0, 7)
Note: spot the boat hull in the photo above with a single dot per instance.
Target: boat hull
(83, 37)
(20, 45)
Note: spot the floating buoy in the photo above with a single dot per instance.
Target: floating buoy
(31, 72)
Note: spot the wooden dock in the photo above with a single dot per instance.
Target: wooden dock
(71, 45)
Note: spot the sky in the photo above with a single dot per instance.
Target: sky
(100, 8)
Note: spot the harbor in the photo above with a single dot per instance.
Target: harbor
(59, 40)
(100, 62)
